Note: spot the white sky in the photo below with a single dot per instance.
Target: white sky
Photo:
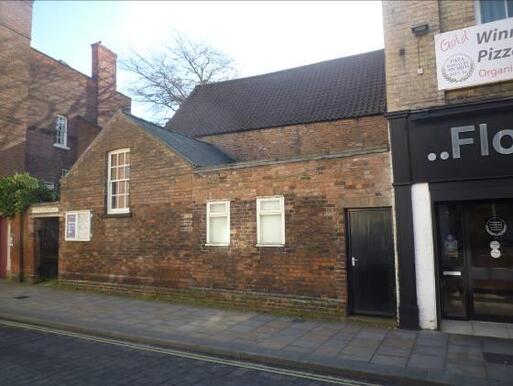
(261, 36)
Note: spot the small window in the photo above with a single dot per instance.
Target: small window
(78, 225)
(492, 10)
(118, 181)
(270, 221)
(218, 223)
(61, 132)
(64, 172)
(49, 185)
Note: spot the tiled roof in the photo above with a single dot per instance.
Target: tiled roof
(348, 87)
(197, 152)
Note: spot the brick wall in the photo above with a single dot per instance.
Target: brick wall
(34, 88)
(15, 27)
(56, 88)
(405, 88)
(296, 140)
(161, 244)
(108, 100)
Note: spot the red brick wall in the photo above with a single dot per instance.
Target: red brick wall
(311, 138)
(34, 88)
(15, 27)
(162, 242)
(56, 88)
(108, 100)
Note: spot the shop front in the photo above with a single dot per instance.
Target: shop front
(453, 179)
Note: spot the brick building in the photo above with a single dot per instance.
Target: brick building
(449, 100)
(49, 112)
(272, 191)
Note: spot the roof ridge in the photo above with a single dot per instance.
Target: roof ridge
(152, 126)
(159, 127)
(286, 69)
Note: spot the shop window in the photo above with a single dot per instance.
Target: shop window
(492, 10)
(118, 181)
(61, 132)
(78, 225)
(218, 223)
(270, 221)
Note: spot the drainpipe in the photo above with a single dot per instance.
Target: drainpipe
(21, 248)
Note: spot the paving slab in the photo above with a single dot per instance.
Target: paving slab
(347, 348)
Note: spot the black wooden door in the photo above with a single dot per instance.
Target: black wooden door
(371, 262)
(49, 248)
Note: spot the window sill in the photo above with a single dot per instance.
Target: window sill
(117, 215)
(217, 245)
(59, 146)
(270, 245)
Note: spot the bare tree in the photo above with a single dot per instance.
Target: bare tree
(165, 79)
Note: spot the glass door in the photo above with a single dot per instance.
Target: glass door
(452, 262)
(475, 249)
(490, 226)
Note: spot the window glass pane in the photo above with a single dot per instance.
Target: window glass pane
(114, 202)
(122, 187)
(218, 230)
(492, 10)
(510, 8)
(113, 159)
(71, 226)
(270, 205)
(121, 173)
(114, 173)
(270, 229)
(122, 200)
(121, 158)
(127, 158)
(114, 188)
(218, 208)
(127, 172)
(83, 226)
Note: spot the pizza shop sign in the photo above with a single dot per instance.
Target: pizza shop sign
(476, 55)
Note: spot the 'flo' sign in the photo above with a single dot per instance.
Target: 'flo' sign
(475, 55)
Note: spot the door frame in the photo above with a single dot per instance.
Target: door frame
(348, 262)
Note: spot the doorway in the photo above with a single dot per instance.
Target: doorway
(371, 272)
(3, 247)
(47, 244)
(475, 260)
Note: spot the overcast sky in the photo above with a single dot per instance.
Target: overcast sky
(260, 36)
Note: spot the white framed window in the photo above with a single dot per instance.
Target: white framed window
(270, 221)
(218, 223)
(78, 225)
(493, 10)
(61, 132)
(118, 181)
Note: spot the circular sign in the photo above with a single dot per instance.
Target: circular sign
(496, 226)
(495, 253)
(458, 68)
(495, 244)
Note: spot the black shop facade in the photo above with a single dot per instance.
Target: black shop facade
(453, 182)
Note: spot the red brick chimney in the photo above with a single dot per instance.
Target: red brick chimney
(104, 73)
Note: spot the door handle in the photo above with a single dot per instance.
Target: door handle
(353, 261)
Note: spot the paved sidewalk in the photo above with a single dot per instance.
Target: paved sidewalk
(386, 355)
